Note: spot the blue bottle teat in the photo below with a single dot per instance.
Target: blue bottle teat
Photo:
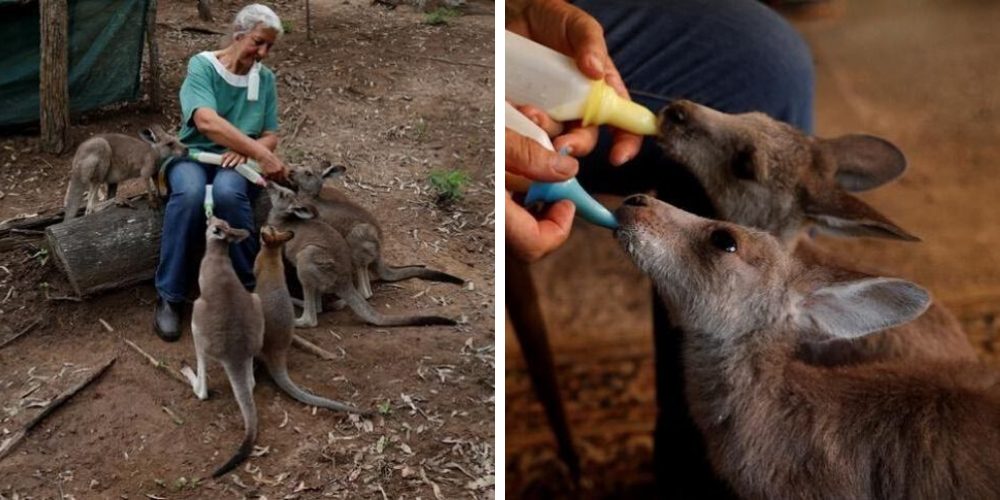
(586, 206)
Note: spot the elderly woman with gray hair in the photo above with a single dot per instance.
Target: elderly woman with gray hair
(229, 106)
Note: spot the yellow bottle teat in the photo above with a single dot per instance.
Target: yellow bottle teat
(605, 107)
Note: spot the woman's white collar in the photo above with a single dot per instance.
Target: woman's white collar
(251, 80)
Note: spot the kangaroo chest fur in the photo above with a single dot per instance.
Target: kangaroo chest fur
(785, 429)
(226, 316)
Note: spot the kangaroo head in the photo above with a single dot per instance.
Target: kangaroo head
(729, 281)
(220, 230)
(272, 237)
(166, 145)
(309, 181)
(765, 174)
(286, 203)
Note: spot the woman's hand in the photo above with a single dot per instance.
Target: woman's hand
(530, 238)
(272, 166)
(570, 30)
(231, 158)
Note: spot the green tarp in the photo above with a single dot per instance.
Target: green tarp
(105, 55)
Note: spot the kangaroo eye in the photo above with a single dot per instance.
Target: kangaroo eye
(723, 240)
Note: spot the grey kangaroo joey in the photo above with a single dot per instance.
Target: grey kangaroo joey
(227, 324)
(279, 318)
(778, 427)
(765, 174)
(360, 228)
(322, 261)
(113, 158)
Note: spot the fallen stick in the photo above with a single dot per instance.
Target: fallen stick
(442, 60)
(311, 348)
(174, 374)
(24, 331)
(10, 443)
(298, 126)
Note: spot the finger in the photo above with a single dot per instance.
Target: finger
(624, 147)
(531, 239)
(586, 37)
(580, 141)
(551, 127)
(527, 158)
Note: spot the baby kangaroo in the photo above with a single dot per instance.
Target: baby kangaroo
(322, 262)
(359, 227)
(279, 317)
(227, 324)
(113, 158)
(765, 174)
(779, 427)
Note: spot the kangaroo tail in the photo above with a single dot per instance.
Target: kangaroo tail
(360, 306)
(386, 272)
(241, 378)
(279, 373)
(74, 196)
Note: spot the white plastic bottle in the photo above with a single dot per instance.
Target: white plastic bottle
(547, 192)
(546, 79)
(249, 170)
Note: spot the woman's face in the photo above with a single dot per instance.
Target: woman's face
(255, 45)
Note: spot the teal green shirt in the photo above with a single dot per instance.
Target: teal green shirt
(210, 85)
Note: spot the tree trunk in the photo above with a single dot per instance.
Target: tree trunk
(54, 84)
(154, 57)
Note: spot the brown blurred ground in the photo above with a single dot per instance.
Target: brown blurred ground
(924, 75)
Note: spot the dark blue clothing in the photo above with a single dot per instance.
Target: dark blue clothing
(734, 56)
(183, 240)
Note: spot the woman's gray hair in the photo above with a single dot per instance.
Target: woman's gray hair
(250, 16)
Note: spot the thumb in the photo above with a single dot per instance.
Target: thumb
(527, 158)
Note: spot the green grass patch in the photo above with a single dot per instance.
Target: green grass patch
(450, 185)
(440, 16)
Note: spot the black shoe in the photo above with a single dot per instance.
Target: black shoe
(167, 320)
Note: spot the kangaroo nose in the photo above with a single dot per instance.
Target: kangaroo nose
(675, 113)
(637, 200)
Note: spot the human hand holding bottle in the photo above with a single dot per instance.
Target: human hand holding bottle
(528, 237)
(570, 30)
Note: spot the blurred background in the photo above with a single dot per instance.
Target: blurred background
(924, 74)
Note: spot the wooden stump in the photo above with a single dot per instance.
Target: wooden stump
(110, 249)
(53, 80)
(116, 247)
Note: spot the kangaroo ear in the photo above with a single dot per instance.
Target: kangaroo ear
(857, 308)
(148, 135)
(841, 214)
(333, 170)
(864, 161)
(235, 235)
(284, 236)
(304, 212)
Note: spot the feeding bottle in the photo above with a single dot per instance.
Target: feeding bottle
(587, 207)
(546, 79)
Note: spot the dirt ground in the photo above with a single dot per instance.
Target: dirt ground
(391, 97)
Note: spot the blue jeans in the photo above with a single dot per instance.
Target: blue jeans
(183, 241)
(732, 55)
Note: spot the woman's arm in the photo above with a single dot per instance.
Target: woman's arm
(223, 133)
(269, 140)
